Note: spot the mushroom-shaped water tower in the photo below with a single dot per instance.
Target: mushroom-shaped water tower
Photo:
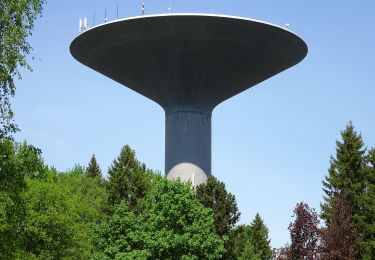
(188, 64)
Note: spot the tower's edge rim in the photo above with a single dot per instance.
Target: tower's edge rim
(191, 14)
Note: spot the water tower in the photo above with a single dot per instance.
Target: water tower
(188, 64)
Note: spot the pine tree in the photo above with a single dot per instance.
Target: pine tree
(214, 195)
(250, 254)
(239, 238)
(346, 173)
(259, 238)
(127, 179)
(367, 216)
(93, 169)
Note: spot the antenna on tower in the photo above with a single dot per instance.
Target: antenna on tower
(80, 25)
(85, 25)
(170, 7)
(286, 26)
(143, 8)
(117, 11)
(105, 15)
(93, 20)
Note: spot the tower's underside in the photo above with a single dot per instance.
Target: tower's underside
(188, 64)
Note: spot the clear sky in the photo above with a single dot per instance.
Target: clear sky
(271, 144)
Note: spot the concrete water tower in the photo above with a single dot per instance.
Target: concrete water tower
(188, 64)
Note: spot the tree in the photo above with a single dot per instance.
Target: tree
(367, 215)
(214, 195)
(304, 234)
(12, 208)
(341, 238)
(127, 179)
(93, 169)
(346, 173)
(249, 253)
(239, 237)
(17, 161)
(16, 24)
(171, 224)
(259, 238)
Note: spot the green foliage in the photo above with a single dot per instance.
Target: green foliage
(352, 174)
(214, 195)
(250, 241)
(61, 214)
(93, 169)
(250, 254)
(239, 237)
(259, 238)
(16, 162)
(170, 224)
(128, 179)
(346, 173)
(367, 216)
(90, 191)
(16, 24)
(48, 228)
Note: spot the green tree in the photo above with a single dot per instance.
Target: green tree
(16, 24)
(259, 238)
(367, 216)
(12, 208)
(48, 228)
(249, 253)
(239, 238)
(128, 179)
(93, 169)
(17, 161)
(171, 224)
(346, 173)
(61, 212)
(214, 195)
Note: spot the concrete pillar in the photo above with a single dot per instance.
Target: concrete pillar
(188, 145)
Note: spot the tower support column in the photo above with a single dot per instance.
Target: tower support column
(188, 145)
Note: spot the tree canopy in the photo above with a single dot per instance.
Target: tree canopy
(16, 24)
(171, 224)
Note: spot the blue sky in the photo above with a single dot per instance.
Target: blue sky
(270, 144)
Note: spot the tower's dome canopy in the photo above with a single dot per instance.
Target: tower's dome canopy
(188, 59)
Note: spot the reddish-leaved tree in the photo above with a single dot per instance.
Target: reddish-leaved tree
(341, 238)
(304, 234)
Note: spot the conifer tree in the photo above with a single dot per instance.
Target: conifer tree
(127, 179)
(346, 173)
(259, 238)
(214, 195)
(367, 216)
(93, 169)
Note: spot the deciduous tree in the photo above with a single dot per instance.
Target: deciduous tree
(171, 224)
(16, 24)
(341, 239)
(304, 234)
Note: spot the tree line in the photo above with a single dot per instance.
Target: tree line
(133, 214)
(347, 210)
